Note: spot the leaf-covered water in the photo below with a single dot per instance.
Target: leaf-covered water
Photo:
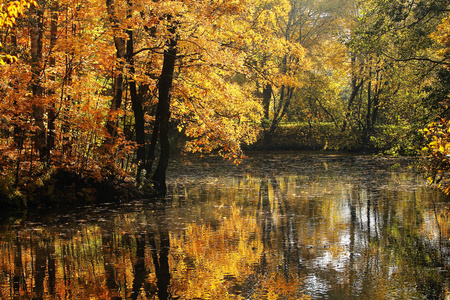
(279, 226)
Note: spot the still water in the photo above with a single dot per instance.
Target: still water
(278, 226)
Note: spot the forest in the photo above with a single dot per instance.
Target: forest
(96, 96)
(224, 149)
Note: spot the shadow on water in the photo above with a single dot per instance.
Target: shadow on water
(144, 239)
(285, 226)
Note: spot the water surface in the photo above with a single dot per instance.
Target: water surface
(279, 226)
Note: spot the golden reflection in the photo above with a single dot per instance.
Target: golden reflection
(124, 260)
(223, 263)
(248, 237)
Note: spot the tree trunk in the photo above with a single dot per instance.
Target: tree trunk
(356, 85)
(52, 63)
(136, 104)
(286, 94)
(151, 151)
(267, 95)
(18, 132)
(367, 128)
(119, 42)
(376, 98)
(355, 90)
(36, 34)
(163, 110)
(369, 104)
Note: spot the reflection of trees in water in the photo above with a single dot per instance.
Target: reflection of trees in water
(18, 277)
(395, 258)
(161, 262)
(279, 235)
(272, 204)
(346, 236)
(247, 237)
(122, 259)
(378, 249)
(41, 268)
(148, 260)
(217, 262)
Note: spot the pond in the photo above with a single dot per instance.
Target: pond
(278, 226)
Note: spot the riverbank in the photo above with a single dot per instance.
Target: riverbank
(68, 189)
(388, 140)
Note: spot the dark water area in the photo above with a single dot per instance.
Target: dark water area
(278, 226)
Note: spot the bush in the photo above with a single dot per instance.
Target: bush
(437, 152)
(397, 140)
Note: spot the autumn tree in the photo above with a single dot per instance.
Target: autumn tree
(276, 58)
(390, 48)
(52, 103)
(97, 86)
(323, 28)
(10, 12)
(179, 63)
(437, 164)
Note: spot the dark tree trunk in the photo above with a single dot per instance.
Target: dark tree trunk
(52, 63)
(152, 148)
(119, 42)
(356, 85)
(369, 105)
(367, 128)
(375, 108)
(163, 110)
(286, 95)
(355, 89)
(267, 95)
(376, 98)
(36, 35)
(136, 104)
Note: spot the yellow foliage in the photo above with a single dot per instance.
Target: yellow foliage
(438, 154)
(9, 12)
(225, 50)
(442, 36)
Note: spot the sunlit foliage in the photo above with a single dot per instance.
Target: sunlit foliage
(437, 133)
(442, 35)
(438, 150)
(10, 11)
(85, 93)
